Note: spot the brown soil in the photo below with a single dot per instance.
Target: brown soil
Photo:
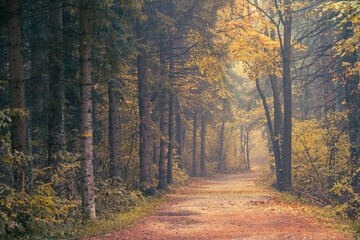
(227, 207)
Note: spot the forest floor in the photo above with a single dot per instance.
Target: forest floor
(228, 207)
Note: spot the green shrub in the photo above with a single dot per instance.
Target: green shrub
(112, 195)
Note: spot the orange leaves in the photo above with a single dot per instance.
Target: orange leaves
(245, 31)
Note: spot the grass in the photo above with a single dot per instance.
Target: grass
(327, 215)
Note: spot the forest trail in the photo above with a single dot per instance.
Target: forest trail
(226, 207)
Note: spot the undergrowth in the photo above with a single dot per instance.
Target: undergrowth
(330, 216)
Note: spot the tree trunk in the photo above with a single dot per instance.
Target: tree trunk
(163, 143)
(202, 151)
(179, 136)
(171, 99)
(247, 150)
(242, 148)
(96, 133)
(171, 140)
(114, 132)
(221, 157)
(88, 198)
(273, 137)
(286, 146)
(38, 85)
(145, 119)
(156, 140)
(194, 145)
(56, 85)
(17, 89)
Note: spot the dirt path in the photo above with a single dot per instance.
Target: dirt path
(226, 207)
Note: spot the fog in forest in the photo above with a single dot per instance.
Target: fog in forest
(107, 106)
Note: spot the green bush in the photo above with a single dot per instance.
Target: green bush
(112, 195)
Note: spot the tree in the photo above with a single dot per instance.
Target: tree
(171, 140)
(194, 160)
(17, 89)
(221, 148)
(88, 198)
(56, 85)
(144, 113)
(286, 58)
(114, 131)
(202, 145)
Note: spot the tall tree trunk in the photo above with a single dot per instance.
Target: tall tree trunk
(163, 143)
(171, 140)
(17, 88)
(114, 132)
(286, 146)
(171, 100)
(194, 145)
(96, 132)
(179, 136)
(202, 145)
(145, 119)
(273, 137)
(38, 85)
(156, 140)
(56, 85)
(164, 127)
(242, 148)
(247, 150)
(86, 132)
(221, 157)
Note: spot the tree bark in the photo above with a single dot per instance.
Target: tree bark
(221, 157)
(156, 140)
(114, 132)
(247, 150)
(145, 119)
(202, 145)
(86, 131)
(96, 133)
(194, 145)
(171, 140)
(163, 143)
(286, 145)
(274, 138)
(56, 85)
(38, 84)
(179, 136)
(17, 88)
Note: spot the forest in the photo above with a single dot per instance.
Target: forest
(106, 103)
